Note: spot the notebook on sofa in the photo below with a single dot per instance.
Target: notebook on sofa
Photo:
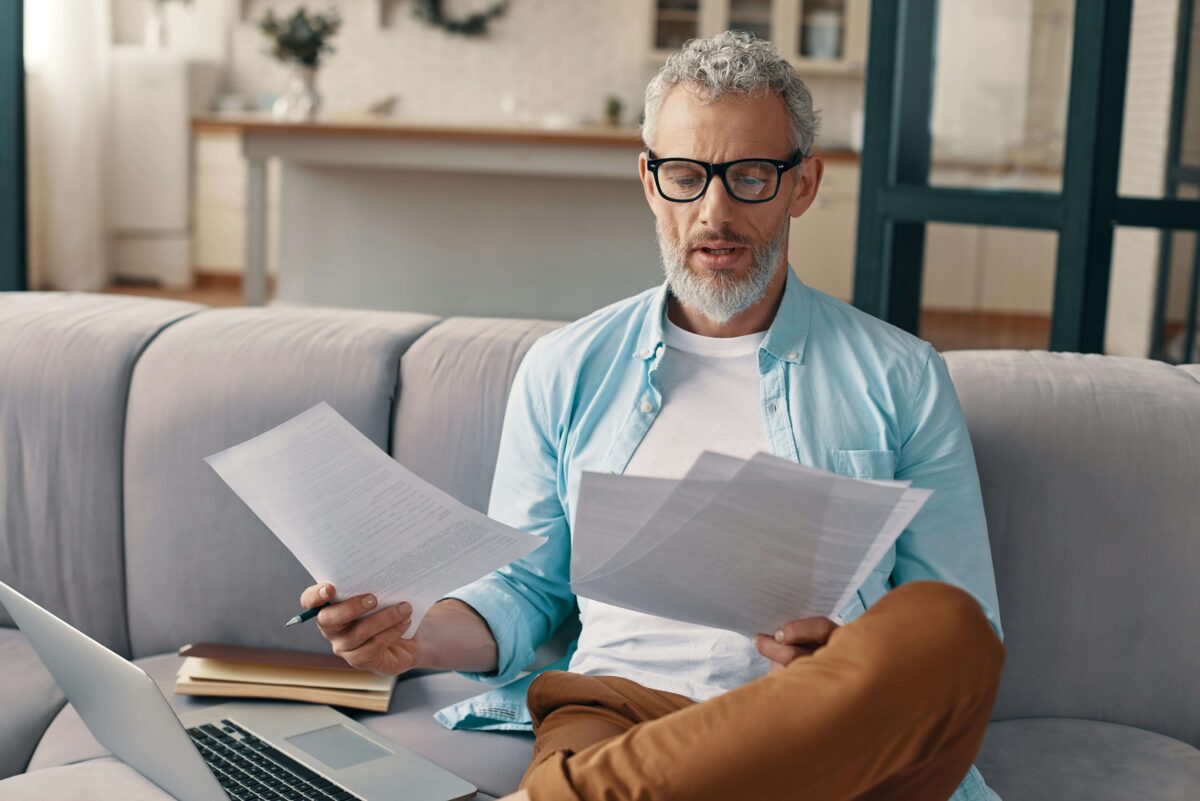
(212, 669)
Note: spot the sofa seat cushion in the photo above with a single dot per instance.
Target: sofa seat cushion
(29, 697)
(1032, 759)
(493, 762)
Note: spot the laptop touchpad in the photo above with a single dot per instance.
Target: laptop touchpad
(337, 746)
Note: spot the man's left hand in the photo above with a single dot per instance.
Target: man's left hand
(795, 639)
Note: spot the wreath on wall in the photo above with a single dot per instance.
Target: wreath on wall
(471, 25)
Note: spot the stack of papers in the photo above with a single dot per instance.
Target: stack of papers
(739, 544)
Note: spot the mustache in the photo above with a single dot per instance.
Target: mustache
(724, 234)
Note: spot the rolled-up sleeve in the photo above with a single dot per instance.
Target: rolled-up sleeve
(525, 601)
(947, 541)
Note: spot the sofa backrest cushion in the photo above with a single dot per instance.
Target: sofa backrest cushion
(1091, 482)
(200, 564)
(454, 388)
(65, 362)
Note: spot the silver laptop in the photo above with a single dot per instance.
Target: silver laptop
(252, 750)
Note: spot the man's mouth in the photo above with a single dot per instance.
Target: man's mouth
(718, 254)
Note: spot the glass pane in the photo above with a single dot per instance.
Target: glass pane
(1190, 132)
(1000, 93)
(752, 16)
(822, 29)
(675, 21)
(1148, 164)
(987, 287)
(1142, 258)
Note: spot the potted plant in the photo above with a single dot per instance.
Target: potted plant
(613, 106)
(299, 40)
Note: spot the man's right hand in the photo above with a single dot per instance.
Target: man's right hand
(372, 643)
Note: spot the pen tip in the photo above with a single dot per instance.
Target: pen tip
(293, 621)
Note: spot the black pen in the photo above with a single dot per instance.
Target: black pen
(307, 614)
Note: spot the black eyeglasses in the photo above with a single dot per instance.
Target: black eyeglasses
(747, 180)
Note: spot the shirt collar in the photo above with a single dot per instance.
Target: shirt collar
(785, 338)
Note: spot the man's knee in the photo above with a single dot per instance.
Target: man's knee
(951, 624)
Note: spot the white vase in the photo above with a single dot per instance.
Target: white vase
(300, 100)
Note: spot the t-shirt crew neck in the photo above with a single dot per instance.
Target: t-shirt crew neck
(688, 342)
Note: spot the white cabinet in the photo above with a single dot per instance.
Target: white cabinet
(151, 99)
(822, 240)
(219, 203)
(817, 36)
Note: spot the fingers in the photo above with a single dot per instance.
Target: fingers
(808, 631)
(394, 618)
(337, 616)
(316, 595)
(779, 653)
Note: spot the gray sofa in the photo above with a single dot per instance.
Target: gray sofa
(1090, 468)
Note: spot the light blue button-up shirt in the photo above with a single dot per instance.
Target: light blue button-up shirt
(841, 391)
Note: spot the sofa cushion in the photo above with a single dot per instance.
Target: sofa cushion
(65, 364)
(1085, 760)
(455, 382)
(1089, 470)
(200, 564)
(29, 697)
(492, 762)
(94, 780)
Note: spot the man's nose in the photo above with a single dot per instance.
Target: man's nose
(716, 207)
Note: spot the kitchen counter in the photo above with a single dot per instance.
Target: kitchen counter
(399, 213)
(374, 126)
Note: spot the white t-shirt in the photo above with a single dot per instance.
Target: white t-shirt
(710, 401)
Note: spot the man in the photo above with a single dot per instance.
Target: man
(732, 354)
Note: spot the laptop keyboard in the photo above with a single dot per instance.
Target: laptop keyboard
(249, 769)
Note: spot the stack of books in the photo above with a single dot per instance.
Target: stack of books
(236, 671)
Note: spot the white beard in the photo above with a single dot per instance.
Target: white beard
(719, 296)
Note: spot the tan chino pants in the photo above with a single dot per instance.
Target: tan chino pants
(893, 707)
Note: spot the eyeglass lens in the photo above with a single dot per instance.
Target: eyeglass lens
(749, 180)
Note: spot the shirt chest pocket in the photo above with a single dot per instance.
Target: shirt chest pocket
(865, 464)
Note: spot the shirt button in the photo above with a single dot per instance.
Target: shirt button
(644, 352)
(791, 354)
(647, 407)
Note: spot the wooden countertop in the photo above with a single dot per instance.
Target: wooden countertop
(401, 128)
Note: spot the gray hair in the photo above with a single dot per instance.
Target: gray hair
(734, 61)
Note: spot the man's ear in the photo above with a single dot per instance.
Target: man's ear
(808, 180)
(647, 179)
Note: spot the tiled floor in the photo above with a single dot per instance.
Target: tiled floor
(947, 330)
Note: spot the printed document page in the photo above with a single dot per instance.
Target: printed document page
(358, 519)
(773, 542)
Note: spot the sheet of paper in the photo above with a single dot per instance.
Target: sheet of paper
(707, 474)
(771, 545)
(611, 508)
(358, 519)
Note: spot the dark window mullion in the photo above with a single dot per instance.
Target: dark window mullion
(12, 148)
(1100, 53)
